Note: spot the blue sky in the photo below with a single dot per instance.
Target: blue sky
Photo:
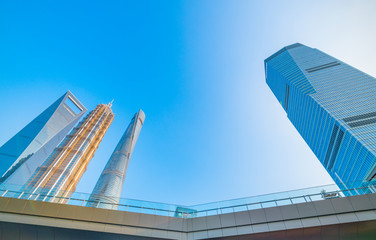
(213, 129)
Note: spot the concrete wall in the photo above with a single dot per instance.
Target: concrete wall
(311, 215)
(289, 218)
(17, 231)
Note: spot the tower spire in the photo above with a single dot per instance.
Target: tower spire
(110, 103)
(110, 184)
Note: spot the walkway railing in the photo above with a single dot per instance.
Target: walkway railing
(221, 207)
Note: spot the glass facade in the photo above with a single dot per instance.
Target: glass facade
(23, 153)
(62, 170)
(333, 107)
(110, 183)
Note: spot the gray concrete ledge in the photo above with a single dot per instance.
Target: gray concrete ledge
(318, 214)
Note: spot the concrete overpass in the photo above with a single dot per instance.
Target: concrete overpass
(351, 217)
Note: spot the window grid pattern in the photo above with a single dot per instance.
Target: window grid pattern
(110, 183)
(31, 146)
(62, 170)
(332, 105)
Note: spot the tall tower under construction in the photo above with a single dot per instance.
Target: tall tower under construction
(107, 191)
(57, 177)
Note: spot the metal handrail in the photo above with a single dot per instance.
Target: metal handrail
(193, 213)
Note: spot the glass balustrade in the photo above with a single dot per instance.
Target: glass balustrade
(200, 210)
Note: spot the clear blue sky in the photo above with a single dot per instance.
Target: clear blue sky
(213, 129)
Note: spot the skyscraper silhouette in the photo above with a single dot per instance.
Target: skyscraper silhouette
(333, 107)
(110, 183)
(57, 178)
(24, 152)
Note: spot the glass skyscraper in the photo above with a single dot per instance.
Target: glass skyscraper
(24, 152)
(60, 173)
(333, 107)
(110, 183)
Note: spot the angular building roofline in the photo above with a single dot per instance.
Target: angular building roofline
(282, 50)
(44, 132)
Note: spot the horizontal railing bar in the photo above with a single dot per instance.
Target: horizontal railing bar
(141, 208)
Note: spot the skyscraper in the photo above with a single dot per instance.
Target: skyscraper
(110, 183)
(333, 107)
(62, 170)
(27, 150)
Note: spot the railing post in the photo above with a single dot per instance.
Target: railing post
(20, 195)
(339, 195)
(356, 191)
(4, 193)
(309, 197)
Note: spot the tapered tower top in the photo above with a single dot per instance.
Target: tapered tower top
(141, 116)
